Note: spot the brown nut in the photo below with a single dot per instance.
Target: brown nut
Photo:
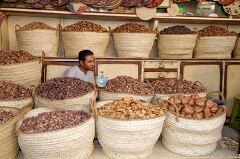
(188, 110)
(198, 109)
(207, 112)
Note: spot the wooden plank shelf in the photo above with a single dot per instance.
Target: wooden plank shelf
(118, 16)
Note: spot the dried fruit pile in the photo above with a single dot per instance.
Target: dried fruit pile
(132, 28)
(36, 26)
(177, 29)
(193, 107)
(214, 30)
(129, 108)
(11, 91)
(13, 57)
(83, 26)
(126, 84)
(5, 116)
(177, 86)
(63, 88)
(54, 120)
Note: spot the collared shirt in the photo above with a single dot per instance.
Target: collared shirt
(75, 71)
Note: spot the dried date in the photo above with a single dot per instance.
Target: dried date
(13, 57)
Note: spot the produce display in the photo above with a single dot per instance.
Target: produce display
(126, 84)
(63, 88)
(5, 116)
(177, 29)
(13, 57)
(83, 26)
(214, 30)
(36, 26)
(132, 28)
(177, 86)
(193, 107)
(54, 120)
(11, 91)
(129, 109)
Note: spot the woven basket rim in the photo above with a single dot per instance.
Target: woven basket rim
(131, 33)
(15, 100)
(53, 131)
(37, 30)
(41, 98)
(218, 116)
(83, 32)
(180, 93)
(31, 61)
(100, 90)
(178, 34)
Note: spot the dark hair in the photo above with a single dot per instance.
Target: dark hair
(83, 54)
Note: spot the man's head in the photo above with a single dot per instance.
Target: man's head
(86, 59)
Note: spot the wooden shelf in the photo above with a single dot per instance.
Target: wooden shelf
(117, 16)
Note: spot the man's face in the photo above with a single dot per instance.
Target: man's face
(89, 63)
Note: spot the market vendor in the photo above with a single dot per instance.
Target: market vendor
(84, 70)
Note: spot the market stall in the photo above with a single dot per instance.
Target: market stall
(172, 70)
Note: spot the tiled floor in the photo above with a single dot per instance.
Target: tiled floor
(161, 152)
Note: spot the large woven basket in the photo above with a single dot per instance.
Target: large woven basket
(36, 41)
(9, 146)
(176, 46)
(133, 45)
(214, 47)
(74, 42)
(236, 51)
(73, 143)
(128, 139)
(192, 137)
(106, 96)
(81, 103)
(27, 74)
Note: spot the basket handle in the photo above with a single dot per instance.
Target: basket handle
(177, 111)
(32, 87)
(17, 27)
(219, 93)
(195, 29)
(92, 107)
(42, 57)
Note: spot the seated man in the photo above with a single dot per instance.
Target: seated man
(85, 69)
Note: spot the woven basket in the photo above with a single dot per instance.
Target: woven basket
(133, 45)
(192, 137)
(36, 41)
(74, 42)
(128, 139)
(8, 139)
(27, 74)
(69, 143)
(176, 46)
(236, 51)
(214, 47)
(106, 96)
(80, 103)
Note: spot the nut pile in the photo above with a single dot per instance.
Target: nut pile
(177, 86)
(83, 26)
(129, 108)
(214, 30)
(177, 29)
(193, 107)
(10, 91)
(63, 88)
(13, 57)
(126, 84)
(54, 120)
(132, 28)
(36, 26)
(5, 116)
